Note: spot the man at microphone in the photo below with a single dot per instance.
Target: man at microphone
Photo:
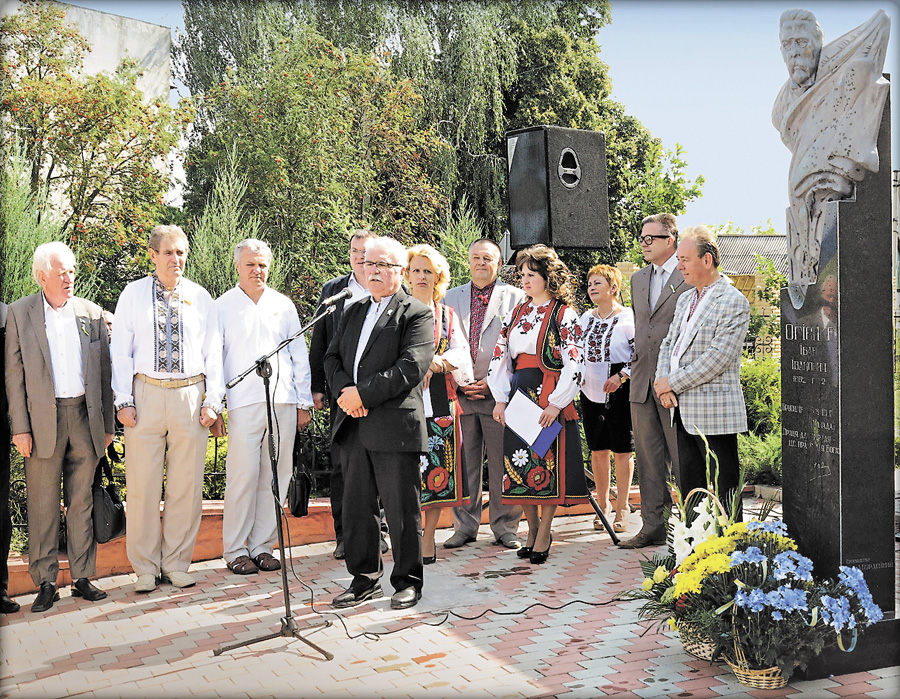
(322, 335)
(253, 320)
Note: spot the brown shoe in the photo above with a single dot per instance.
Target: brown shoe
(267, 562)
(642, 539)
(242, 565)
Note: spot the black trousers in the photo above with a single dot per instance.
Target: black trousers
(5, 521)
(692, 463)
(395, 477)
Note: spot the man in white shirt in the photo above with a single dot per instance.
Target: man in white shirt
(167, 379)
(61, 408)
(654, 291)
(253, 320)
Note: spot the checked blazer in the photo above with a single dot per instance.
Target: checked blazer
(707, 381)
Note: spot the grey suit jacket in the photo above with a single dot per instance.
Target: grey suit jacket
(29, 377)
(650, 327)
(707, 380)
(503, 299)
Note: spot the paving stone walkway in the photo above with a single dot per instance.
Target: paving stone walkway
(488, 625)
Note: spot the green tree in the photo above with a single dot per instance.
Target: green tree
(327, 140)
(95, 148)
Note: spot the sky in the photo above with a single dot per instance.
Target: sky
(702, 74)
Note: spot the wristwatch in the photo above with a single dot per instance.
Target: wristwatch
(622, 377)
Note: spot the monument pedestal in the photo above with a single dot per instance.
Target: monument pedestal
(838, 407)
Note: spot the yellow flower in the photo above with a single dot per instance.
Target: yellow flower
(647, 584)
(672, 625)
(717, 563)
(691, 581)
(660, 574)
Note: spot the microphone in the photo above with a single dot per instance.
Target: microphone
(331, 300)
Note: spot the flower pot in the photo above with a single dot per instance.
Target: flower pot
(694, 644)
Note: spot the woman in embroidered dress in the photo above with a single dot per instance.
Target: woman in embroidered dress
(443, 483)
(608, 344)
(538, 352)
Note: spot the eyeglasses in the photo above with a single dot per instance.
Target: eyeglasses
(380, 265)
(648, 239)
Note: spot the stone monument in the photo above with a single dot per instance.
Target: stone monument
(836, 317)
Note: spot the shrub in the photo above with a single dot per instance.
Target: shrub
(761, 383)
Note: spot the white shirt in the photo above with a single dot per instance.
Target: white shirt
(604, 342)
(65, 350)
(372, 315)
(133, 342)
(251, 330)
(660, 276)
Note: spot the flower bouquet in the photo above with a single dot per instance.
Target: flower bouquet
(756, 599)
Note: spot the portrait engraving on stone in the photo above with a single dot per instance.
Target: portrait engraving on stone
(829, 114)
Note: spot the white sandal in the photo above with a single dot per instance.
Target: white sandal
(619, 523)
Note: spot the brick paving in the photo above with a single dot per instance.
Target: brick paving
(515, 630)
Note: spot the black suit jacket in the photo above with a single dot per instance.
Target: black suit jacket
(390, 373)
(324, 331)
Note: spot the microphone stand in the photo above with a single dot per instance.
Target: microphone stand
(289, 627)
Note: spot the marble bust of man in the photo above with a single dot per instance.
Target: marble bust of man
(829, 114)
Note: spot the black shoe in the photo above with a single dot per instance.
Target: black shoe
(357, 595)
(537, 557)
(406, 598)
(46, 596)
(524, 552)
(8, 605)
(83, 588)
(428, 560)
(339, 551)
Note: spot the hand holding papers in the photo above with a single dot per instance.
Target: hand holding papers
(522, 416)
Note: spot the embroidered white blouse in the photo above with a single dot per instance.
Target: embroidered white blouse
(609, 341)
(522, 339)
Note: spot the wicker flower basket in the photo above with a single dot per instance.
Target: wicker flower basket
(769, 678)
(693, 645)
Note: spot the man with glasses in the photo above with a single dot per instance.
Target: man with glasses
(374, 366)
(654, 291)
(322, 335)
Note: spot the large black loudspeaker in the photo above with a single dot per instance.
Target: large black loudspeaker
(557, 188)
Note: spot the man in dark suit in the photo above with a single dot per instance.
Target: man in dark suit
(7, 605)
(654, 291)
(322, 335)
(375, 366)
(58, 383)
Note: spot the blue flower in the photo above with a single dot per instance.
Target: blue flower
(757, 600)
(751, 555)
(435, 443)
(853, 578)
(774, 527)
(741, 599)
(836, 612)
(791, 563)
(777, 616)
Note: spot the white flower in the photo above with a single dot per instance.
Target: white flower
(423, 463)
(520, 458)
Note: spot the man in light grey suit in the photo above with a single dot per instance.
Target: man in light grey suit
(654, 291)
(58, 382)
(698, 375)
(481, 305)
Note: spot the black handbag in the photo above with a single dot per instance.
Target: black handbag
(109, 512)
(301, 482)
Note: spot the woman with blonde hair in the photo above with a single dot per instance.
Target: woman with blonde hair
(443, 479)
(539, 353)
(608, 344)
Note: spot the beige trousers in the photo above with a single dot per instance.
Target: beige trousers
(167, 438)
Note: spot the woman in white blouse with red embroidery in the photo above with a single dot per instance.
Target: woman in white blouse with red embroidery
(539, 354)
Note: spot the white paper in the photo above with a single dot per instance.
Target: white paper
(426, 399)
(594, 380)
(522, 415)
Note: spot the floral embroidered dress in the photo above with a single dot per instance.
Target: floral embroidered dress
(539, 352)
(442, 481)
